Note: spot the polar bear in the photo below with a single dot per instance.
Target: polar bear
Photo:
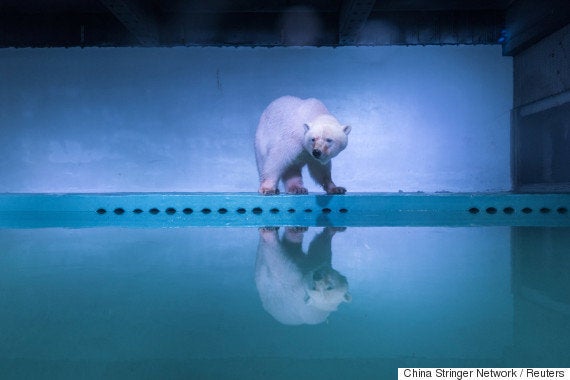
(297, 288)
(292, 133)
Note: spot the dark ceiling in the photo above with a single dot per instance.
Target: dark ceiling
(249, 22)
(66, 23)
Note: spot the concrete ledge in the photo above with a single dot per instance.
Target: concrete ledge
(253, 210)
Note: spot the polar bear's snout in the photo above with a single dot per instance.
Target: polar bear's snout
(317, 153)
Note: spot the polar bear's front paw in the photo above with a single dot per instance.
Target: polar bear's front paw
(269, 234)
(268, 229)
(268, 190)
(297, 190)
(336, 190)
(297, 230)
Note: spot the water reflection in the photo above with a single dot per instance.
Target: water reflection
(240, 302)
(297, 287)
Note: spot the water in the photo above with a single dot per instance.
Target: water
(233, 302)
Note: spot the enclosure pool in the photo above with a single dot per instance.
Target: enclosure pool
(241, 286)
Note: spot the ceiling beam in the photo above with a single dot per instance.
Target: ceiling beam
(433, 28)
(138, 21)
(529, 21)
(353, 16)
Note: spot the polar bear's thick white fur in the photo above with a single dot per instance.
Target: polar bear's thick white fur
(292, 133)
(297, 288)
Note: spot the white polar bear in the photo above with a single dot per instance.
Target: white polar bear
(292, 133)
(297, 287)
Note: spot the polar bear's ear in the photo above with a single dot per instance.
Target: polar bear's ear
(307, 127)
(346, 129)
(308, 300)
(347, 297)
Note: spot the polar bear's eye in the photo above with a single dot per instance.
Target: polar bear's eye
(329, 141)
(313, 139)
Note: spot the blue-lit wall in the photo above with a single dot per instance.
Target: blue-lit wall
(183, 119)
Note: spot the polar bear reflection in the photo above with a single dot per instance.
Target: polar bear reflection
(294, 287)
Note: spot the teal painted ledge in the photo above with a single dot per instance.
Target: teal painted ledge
(254, 210)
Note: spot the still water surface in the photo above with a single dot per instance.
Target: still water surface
(248, 303)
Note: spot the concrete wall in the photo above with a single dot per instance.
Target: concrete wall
(183, 119)
(541, 117)
(543, 69)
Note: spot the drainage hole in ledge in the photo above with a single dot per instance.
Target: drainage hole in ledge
(206, 211)
(170, 211)
(154, 211)
(508, 210)
(241, 210)
(544, 210)
(562, 210)
(491, 210)
(188, 211)
(326, 210)
(257, 210)
(101, 211)
(343, 211)
(474, 210)
(222, 210)
(119, 211)
(527, 210)
(138, 211)
(274, 210)
(308, 210)
(291, 210)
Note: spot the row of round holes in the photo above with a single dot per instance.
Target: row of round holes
(510, 210)
(258, 210)
(188, 211)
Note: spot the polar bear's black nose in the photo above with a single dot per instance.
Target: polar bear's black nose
(316, 153)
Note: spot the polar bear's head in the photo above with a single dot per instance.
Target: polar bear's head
(326, 289)
(325, 137)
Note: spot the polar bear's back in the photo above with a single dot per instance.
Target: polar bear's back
(292, 110)
(283, 121)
